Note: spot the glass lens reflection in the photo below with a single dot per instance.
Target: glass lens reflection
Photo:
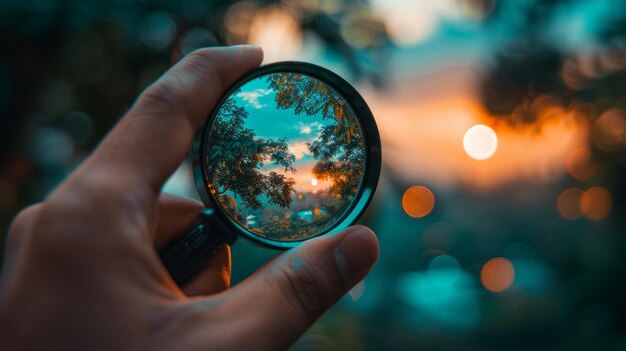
(285, 156)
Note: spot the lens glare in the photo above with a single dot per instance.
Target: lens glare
(285, 156)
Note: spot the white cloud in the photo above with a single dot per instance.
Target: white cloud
(309, 128)
(299, 150)
(252, 97)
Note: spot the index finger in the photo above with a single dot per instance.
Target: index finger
(151, 140)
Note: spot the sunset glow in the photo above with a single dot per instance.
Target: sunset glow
(422, 131)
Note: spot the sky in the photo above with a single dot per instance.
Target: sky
(271, 123)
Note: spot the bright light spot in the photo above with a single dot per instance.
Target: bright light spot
(277, 32)
(596, 203)
(480, 142)
(418, 201)
(314, 182)
(568, 203)
(317, 212)
(408, 22)
(497, 274)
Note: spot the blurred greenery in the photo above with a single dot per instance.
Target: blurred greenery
(69, 69)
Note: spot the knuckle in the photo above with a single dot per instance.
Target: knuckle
(70, 231)
(201, 62)
(161, 96)
(20, 224)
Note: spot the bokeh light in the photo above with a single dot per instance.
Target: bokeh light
(596, 203)
(157, 31)
(568, 203)
(359, 29)
(418, 201)
(580, 164)
(609, 130)
(480, 142)
(408, 22)
(278, 32)
(237, 21)
(548, 201)
(497, 274)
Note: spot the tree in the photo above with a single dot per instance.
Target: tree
(235, 157)
(339, 147)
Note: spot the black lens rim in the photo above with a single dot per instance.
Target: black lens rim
(373, 159)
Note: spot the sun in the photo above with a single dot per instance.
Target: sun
(314, 182)
(480, 142)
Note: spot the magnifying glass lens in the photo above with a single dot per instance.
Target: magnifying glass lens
(290, 152)
(284, 156)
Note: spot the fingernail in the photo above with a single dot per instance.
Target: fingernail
(248, 46)
(355, 253)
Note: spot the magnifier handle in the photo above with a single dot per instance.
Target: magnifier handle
(186, 256)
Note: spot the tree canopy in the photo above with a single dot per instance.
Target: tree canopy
(235, 157)
(339, 146)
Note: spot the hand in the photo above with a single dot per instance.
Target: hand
(81, 270)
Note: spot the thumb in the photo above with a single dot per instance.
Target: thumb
(284, 298)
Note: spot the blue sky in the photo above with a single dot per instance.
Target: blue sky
(268, 122)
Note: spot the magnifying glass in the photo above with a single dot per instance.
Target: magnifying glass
(290, 152)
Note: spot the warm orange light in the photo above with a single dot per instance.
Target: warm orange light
(300, 196)
(497, 274)
(317, 211)
(596, 203)
(579, 164)
(609, 130)
(480, 142)
(418, 201)
(278, 32)
(568, 203)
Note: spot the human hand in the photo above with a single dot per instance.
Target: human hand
(82, 271)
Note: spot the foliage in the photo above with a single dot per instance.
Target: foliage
(236, 156)
(339, 147)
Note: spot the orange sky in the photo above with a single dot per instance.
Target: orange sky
(422, 121)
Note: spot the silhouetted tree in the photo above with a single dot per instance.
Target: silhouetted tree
(339, 147)
(236, 156)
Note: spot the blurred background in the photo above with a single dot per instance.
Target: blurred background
(501, 206)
